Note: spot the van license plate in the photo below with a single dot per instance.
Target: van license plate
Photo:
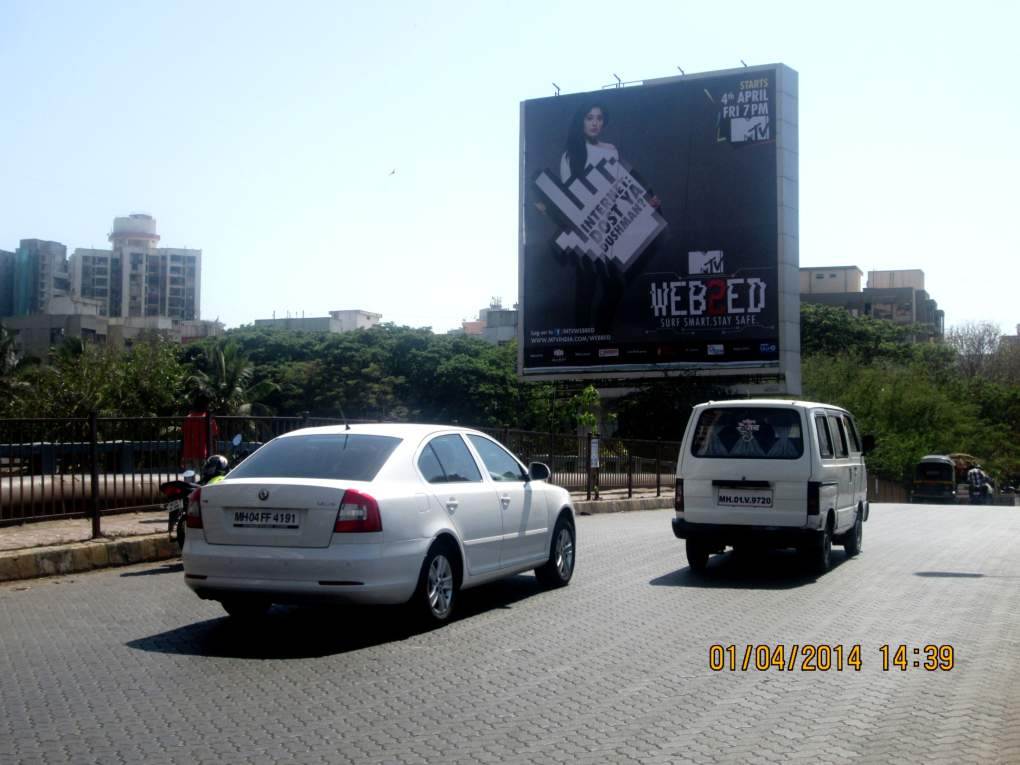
(745, 498)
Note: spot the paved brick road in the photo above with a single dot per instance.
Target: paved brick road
(127, 666)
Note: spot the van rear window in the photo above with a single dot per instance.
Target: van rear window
(749, 433)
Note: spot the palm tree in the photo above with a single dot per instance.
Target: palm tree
(223, 376)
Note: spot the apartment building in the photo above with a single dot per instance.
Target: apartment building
(35, 275)
(116, 295)
(135, 278)
(337, 322)
(897, 296)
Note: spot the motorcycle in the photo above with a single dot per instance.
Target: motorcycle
(180, 490)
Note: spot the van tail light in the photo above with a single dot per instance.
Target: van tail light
(814, 490)
(678, 496)
(195, 509)
(358, 513)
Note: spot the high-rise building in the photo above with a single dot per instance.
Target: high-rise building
(113, 296)
(136, 279)
(6, 283)
(91, 277)
(39, 275)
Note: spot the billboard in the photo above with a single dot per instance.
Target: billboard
(659, 230)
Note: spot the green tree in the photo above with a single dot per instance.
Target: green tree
(833, 331)
(12, 389)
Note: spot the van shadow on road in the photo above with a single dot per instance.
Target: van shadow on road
(750, 570)
(303, 632)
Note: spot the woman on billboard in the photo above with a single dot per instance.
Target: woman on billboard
(584, 147)
(599, 285)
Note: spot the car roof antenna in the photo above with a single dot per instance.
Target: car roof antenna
(347, 425)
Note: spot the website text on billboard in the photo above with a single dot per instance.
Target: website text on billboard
(658, 227)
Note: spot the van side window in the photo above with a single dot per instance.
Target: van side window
(824, 442)
(855, 441)
(838, 435)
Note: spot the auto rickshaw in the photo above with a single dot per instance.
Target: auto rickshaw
(934, 480)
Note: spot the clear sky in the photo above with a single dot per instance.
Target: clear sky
(334, 155)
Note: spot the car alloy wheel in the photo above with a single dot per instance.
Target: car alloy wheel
(439, 587)
(564, 553)
(559, 567)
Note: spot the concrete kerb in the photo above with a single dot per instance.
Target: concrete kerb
(76, 557)
(622, 504)
(85, 556)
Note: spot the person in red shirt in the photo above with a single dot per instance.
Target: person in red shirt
(195, 448)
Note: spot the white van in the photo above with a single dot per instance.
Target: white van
(782, 473)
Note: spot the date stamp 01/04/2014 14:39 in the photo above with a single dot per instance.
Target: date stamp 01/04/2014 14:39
(821, 657)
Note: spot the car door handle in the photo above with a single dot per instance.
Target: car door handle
(505, 501)
(452, 504)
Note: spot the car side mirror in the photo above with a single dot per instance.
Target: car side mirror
(538, 471)
(868, 444)
(189, 475)
(236, 440)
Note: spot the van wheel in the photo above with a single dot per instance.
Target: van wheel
(697, 555)
(819, 550)
(855, 537)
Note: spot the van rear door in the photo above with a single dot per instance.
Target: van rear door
(745, 465)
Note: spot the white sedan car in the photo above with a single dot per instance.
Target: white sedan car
(375, 514)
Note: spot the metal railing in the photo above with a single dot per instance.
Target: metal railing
(85, 467)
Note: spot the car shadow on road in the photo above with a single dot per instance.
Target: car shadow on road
(168, 568)
(303, 632)
(750, 570)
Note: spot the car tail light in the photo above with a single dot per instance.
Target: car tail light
(678, 496)
(195, 509)
(814, 489)
(358, 513)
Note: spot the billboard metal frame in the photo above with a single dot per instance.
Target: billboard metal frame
(778, 377)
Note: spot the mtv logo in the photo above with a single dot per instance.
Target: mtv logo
(710, 262)
(749, 129)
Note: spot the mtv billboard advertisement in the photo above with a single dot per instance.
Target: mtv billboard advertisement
(652, 229)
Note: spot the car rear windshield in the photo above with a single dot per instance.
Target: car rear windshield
(749, 433)
(347, 457)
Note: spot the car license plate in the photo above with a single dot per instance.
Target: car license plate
(745, 498)
(174, 505)
(266, 519)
